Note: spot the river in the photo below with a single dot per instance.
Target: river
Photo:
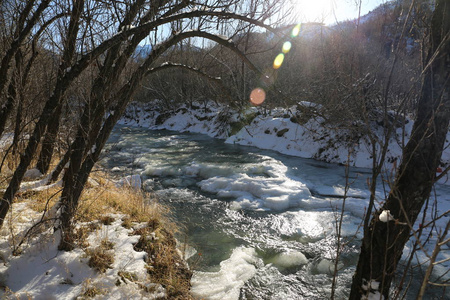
(257, 224)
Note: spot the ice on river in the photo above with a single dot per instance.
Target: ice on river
(265, 186)
(225, 284)
(276, 193)
(290, 259)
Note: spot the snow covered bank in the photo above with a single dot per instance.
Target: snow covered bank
(213, 120)
(276, 130)
(122, 249)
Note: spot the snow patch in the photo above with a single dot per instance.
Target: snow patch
(32, 174)
(386, 216)
(278, 129)
(41, 271)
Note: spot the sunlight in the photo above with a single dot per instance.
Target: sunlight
(313, 11)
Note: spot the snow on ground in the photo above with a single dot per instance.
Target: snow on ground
(212, 119)
(42, 272)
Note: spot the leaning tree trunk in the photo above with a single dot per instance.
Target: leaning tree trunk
(49, 141)
(41, 126)
(8, 107)
(383, 242)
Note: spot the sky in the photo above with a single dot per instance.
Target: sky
(322, 10)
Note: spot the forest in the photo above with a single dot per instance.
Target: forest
(72, 70)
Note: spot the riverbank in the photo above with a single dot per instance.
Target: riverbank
(125, 246)
(290, 131)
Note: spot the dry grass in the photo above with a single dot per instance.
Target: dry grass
(82, 232)
(103, 198)
(127, 276)
(5, 171)
(101, 257)
(164, 264)
(43, 200)
(91, 290)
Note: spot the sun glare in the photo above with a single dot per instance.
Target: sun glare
(313, 10)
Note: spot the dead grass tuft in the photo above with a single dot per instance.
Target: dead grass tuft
(106, 244)
(91, 290)
(81, 234)
(127, 223)
(100, 258)
(164, 264)
(107, 220)
(125, 277)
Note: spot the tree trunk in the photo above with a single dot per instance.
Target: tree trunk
(60, 167)
(49, 141)
(77, 175)
(17, 127)
(383, 242)
(89, 127)
(8, 107)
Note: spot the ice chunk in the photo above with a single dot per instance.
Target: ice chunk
(326, 266)
(277, 192)
(290, 259)
(227, 282)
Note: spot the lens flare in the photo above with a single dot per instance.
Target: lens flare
(257, 96)
(296, 30)
(286, 47)
(278, 61)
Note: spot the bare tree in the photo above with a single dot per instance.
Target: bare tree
(385, 238)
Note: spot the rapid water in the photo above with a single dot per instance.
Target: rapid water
(256, 224)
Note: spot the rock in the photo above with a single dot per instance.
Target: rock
(281, 132)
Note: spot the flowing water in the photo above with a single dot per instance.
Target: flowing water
(257, 224)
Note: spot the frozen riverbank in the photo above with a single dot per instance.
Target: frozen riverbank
(279, 130)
